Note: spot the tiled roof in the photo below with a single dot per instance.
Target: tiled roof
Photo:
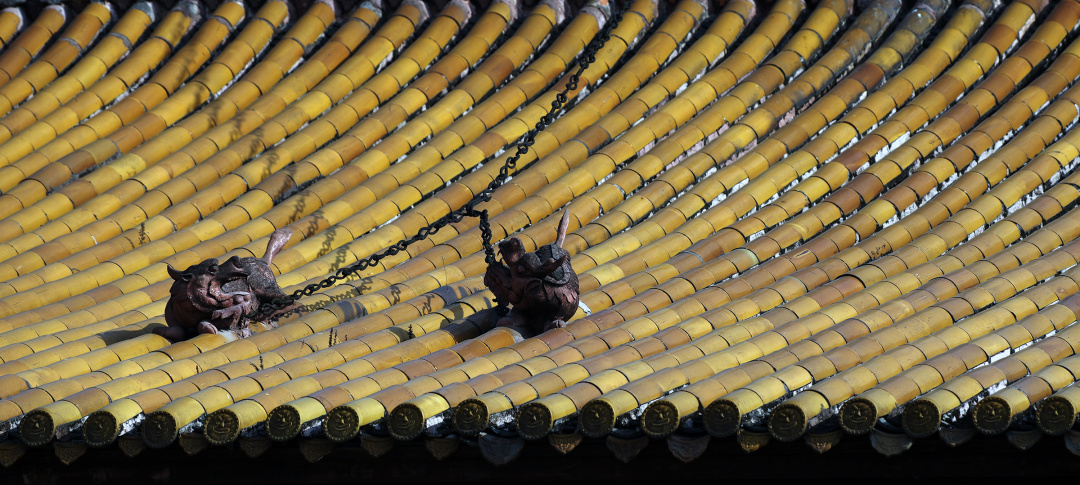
(789, 221)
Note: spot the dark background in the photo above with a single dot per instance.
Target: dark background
(853, 457)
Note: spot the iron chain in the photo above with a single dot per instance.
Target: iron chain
(587, 57)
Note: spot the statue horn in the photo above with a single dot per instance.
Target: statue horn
(276, 244)
(563, 224)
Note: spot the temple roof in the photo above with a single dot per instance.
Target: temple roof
(850, 226)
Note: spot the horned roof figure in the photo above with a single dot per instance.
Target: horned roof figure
(540, 287)
(210, 297)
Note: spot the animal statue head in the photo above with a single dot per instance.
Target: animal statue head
(512, 251)
(203, 285)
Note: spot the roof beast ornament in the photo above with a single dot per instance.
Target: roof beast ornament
(209, 297)
(541, 287)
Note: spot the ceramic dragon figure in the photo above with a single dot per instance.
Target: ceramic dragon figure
(210, 297)
(541, 287)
